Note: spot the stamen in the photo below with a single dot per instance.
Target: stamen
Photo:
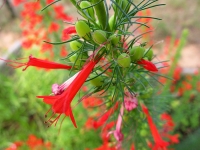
(49, 120)
(47, 112)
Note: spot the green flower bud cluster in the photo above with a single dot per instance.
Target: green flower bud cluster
(135, 54)
(138, 52)
(96, 80)
(98, 36)
(102, 31)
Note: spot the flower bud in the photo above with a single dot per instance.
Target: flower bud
(75, 45)
(136, 53)
(82, 29)
(114, 39)
(124, 60)
(99, 36)
(98, 81)
(149, 54)
(89, 11)
(146, 94)
(78, 60)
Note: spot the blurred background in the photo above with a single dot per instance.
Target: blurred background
(23, 27)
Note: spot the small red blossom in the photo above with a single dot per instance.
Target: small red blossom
(32, 143)
(49, 1)
(89, 123)
(63, 52)
(177, 73)
(36, 62)
(147, 65)
(169, 122)
(17, 2)
(105, 117)
(91, 102)
(187, 86)
(15, 145)
(27, 43)
(173, 138)
(46, 47)
(53, 27)
(59, 10)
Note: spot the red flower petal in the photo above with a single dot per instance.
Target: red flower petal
(147, 65)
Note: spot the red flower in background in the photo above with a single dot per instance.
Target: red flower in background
(49, 1)
(177, 73)
(159, 142)
(105, 116)
(59, 11)
(63, 52)
(169, 125)
(15, 146)
(33, 143)
(91, 102)
(17, 2)
(53, 27)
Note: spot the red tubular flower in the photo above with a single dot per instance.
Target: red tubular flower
(159, 142)
(147, 65)
(169, 125)
(35, 62)
(105, 116)
(61, 104)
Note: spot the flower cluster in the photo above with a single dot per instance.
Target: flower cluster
(37, 27)
(110, 58)
(32, 143)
